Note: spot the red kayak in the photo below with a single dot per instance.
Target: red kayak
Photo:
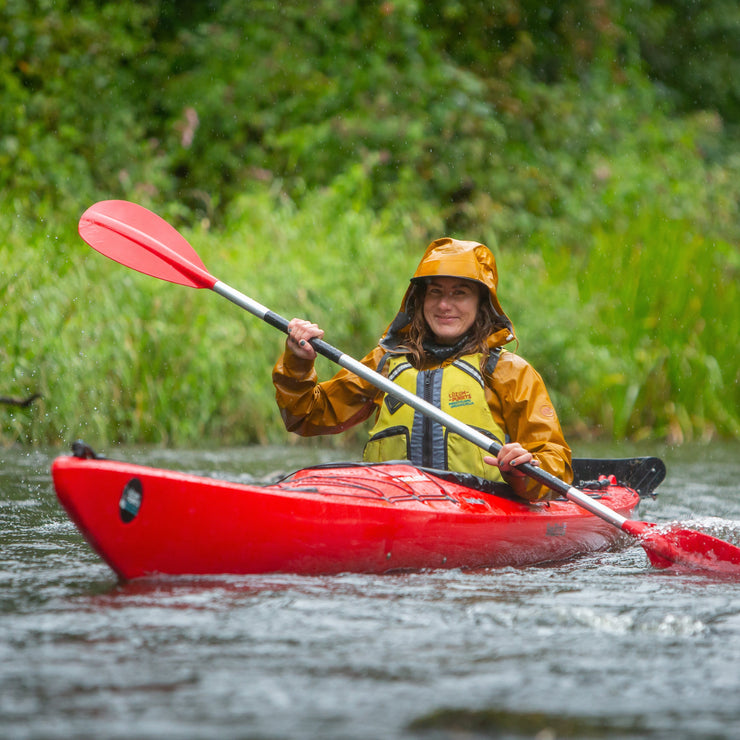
(328, 519)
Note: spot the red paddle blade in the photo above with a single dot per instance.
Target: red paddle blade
(137, 238)
(686, 548)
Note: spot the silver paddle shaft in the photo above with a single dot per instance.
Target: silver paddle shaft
(419, 404)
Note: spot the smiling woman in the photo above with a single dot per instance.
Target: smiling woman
(445, 345)
(450, 308)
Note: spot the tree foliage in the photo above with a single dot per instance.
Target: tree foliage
(497, 113)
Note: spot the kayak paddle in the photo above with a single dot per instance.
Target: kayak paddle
(137, 238)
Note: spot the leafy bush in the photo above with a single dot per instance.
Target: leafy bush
(504, 117)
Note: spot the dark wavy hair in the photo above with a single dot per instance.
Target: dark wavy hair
(486, 323)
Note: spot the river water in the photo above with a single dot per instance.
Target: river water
(602, 646)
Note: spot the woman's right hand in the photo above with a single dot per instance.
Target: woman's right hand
(300, 333)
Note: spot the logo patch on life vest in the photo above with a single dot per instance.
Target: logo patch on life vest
(460, 398)
(130, 501)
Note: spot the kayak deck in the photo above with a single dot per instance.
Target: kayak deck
(377, 518)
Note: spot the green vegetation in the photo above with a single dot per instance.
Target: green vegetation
(503, 722)
(310, 150)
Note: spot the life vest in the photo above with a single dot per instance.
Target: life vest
(402, 433)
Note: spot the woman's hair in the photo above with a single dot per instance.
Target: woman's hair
(486, 323)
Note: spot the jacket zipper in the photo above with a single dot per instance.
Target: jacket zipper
(428, 424)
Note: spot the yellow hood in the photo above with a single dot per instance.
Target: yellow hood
(447, 257)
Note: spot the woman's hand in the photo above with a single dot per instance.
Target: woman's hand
(300, 333)
(510, 456)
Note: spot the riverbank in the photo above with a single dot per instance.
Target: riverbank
(629, 335)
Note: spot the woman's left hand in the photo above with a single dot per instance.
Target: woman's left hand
(509, 458)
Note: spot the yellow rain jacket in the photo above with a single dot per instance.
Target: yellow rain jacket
(516, 395)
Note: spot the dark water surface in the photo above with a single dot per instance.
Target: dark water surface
(602, 646)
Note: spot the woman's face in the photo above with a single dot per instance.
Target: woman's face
(450, 307)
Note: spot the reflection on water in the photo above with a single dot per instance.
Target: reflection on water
(602, 646)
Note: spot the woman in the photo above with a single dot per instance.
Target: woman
(446, 345)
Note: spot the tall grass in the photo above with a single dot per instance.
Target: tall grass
(674, 317)
(121, 357)
(635, 336)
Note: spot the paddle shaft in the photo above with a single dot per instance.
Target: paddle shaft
(420, 405)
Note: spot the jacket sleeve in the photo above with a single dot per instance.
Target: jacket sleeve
(519, 398)
(310, 408)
